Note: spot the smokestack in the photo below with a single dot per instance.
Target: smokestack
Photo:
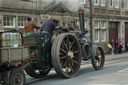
(82, 21)
(82, 18)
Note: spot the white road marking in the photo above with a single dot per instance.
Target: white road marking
(124, 70)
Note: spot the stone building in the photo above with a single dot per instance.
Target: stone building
(109, 17)
(110, 21)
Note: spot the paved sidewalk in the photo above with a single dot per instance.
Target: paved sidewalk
(109, 56)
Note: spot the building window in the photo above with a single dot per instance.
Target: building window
(102, 2)
(103, 25)
(126, 4)
(116, 3)
(126, 25)
(96, 31)
(96, 24)
(103, 37)
(96, 2)
(103, 31)
(21, 22)
(82, 1)
(111, 3)
(9, 21)
(96, 35)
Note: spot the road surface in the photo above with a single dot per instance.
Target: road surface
(114, 72)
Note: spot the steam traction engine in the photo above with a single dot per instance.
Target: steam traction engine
(63, 52)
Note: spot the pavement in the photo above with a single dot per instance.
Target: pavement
(117, 56)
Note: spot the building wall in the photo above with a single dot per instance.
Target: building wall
(36, 9)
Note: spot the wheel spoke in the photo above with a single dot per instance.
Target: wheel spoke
(67, 42)
(64, 64)
(65, 45)
(71, 45)
(63, 57)
(74, 61)
(67, 68)
(60, 53)
(71, 67)
(63, 50)
(75, 52)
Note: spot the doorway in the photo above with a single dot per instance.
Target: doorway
(113, 31)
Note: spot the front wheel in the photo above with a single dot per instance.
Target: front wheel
(98, 58)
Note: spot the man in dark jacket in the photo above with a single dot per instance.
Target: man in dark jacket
(48, 26)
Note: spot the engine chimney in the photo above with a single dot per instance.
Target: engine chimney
(82, 21)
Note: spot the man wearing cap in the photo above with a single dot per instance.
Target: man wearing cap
(30, 26)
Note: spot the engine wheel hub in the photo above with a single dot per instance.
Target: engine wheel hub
(71, 54)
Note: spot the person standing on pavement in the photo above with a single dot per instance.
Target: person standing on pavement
(116, 47)
(30, 26)
(113, 45)
(119, 47)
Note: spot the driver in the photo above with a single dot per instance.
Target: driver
(48, 26)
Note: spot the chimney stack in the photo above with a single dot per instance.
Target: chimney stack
(82, 21)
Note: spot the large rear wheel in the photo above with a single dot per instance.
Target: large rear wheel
(66, 55)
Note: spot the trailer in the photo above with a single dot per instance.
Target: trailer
(13, 58)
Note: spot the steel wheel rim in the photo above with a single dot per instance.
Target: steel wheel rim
(18, 79)
(69, 55)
